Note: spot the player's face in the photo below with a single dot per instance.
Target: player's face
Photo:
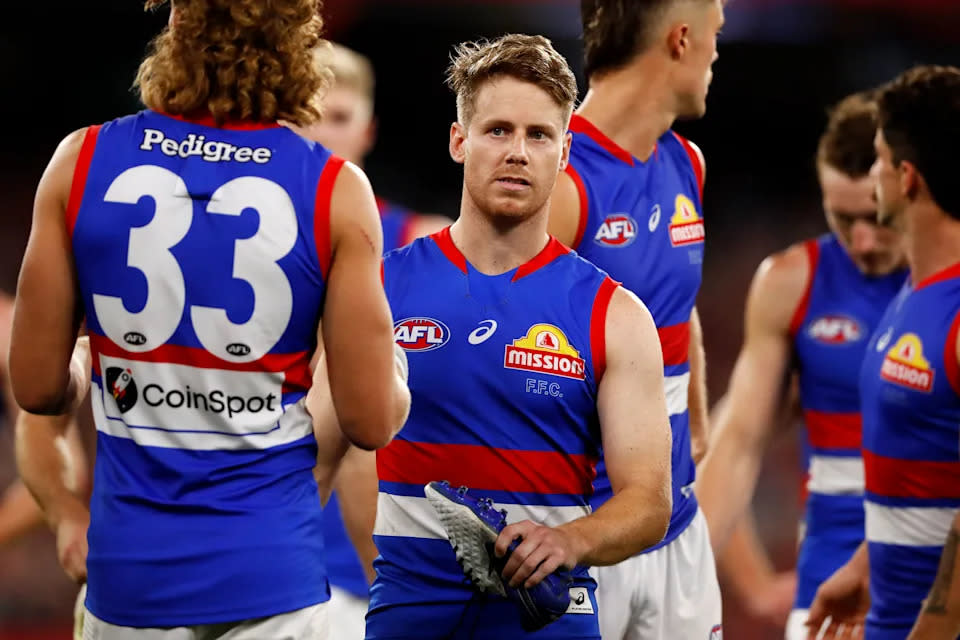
(890, 198)
(347, 127)
(705, 24)
(512, 149)
(851, 210)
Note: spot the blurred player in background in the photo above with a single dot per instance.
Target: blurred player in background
(812, 309)
(906, 572)
(631, 202)
(348, 128)
(203, 243)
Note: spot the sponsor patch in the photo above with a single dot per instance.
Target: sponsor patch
(545, 349)
(617, 230)
(835, 329)
(905, 365)
(686, 227)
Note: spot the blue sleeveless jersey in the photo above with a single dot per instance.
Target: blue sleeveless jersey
(642, 222)
(503, 378)
(830, 329)
(910, 388)
(343, 565)
(201, 255)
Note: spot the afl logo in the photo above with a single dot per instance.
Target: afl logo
(835, 329)
(420, 334)
(618, 230)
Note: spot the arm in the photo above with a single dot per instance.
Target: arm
(636, 444)
(47, 311)
(746, 569)
(728, 475)
(56, 474)
(358, 329)
(357, 485)
(564, 210)
(697, 392)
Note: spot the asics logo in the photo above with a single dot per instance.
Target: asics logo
(480, 335)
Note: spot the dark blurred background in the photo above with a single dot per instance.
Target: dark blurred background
(64, 65)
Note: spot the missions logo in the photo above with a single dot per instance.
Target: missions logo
(686, 227)
(544, 349)
(906, 366)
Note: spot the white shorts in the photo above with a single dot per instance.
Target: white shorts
(348, 615)
(668, 594)
(797, 625)
(309, 623)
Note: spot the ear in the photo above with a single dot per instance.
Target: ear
(565, 156)
(910, 180)
(458, 141)
(678, 40)
(370, 135)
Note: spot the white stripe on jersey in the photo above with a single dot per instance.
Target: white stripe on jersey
(294, 423)
(908, 526)
(411, 517)
(835, 475)
(675, 388)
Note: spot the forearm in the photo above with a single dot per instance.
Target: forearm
(620, 528)
(697, 391)
(19, 513)
(743, 564)
(357, 486)
(48, 467)
(940, 615)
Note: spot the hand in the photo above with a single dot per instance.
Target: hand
(71, 532)
(842, 602)
(542, 551)
(773, 602)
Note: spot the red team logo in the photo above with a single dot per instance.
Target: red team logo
(420, 334)
(835, 329)
(618, 230)
(545, 349)
(686, 227)
(906, 366)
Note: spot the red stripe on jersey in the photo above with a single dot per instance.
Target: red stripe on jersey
(80, 172)
(445, 243)
(548, 254)
(898, 478)
(800, 313)
(675, 343)
(584, 205)
(950, 363)
(295, 365)
(833, 430)
(598, 327)
(478, 467)
(949, 273)
(321, 212)
(694, 160)
(579, 124)
(205, 119)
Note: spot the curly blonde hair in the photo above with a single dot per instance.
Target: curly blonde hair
(237, 60)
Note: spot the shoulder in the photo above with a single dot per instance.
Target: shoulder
(781, 285)
(694, 154)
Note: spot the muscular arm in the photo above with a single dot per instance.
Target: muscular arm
(697, 392)
(636, 440)
(54, 469)
(47, 312)
(728, 475)
(564, 210)
(358, 329)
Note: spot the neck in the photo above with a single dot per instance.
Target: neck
(494, 248)
(933, 241)
(631, 106)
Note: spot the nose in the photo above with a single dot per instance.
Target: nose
(518, 149)
(863, 237)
